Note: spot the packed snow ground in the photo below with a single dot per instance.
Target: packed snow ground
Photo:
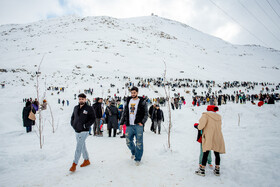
(252, 152)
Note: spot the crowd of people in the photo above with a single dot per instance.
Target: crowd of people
(128, 120)
(235, 98)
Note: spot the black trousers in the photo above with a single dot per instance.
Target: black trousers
(110, 132)
(205, 156)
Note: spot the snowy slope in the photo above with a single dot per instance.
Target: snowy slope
(110, 44)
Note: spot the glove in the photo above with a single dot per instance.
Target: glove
(195, 125)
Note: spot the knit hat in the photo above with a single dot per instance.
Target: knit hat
(28, 103)
(82, 95)
(212, 108)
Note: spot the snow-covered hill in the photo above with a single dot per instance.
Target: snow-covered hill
(135, 47)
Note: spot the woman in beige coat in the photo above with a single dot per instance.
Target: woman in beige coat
(212, 138)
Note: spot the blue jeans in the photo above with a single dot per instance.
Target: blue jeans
(209, 158)
(81, 146)
(137, 131)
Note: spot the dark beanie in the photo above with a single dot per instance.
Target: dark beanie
(82, 95)
(28, 103)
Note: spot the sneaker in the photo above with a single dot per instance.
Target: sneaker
(211, 166)
(217, 171)
(137, 163)
(132, 157)
(200, 171)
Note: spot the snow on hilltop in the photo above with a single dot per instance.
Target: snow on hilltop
(108, 45)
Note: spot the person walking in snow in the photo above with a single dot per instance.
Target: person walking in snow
(35, 105)
(199, 140)
(27, 122)
(120, 110)
(44, 105)
(180, 104)
(112, 116)
(98, 112)
(135, 116)
(151, 111)
(157, 117)
(82, 118)
(212, 138)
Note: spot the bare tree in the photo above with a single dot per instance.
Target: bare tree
(52, 122)
(167, 94)
(40, 124)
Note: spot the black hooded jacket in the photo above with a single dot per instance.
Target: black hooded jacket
(25, 113)
(141, 115)
(82, 118)
(158, 115)
(98, 109)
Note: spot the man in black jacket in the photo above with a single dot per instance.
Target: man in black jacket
(98, 113)
(135, 116)
(82, 118)
(157, 118)
(151, 111)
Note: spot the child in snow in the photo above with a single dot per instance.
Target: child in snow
(199, 140)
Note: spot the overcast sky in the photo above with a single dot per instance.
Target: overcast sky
(236, 21)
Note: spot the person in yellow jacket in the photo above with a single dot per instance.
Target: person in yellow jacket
(212, 138)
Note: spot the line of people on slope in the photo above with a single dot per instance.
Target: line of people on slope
(238, 98)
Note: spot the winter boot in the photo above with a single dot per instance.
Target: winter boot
(200, 171)
(115, 132)
(123, 136)
(137, 163)
(73, 168)
(217, 171)
(85, 163)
